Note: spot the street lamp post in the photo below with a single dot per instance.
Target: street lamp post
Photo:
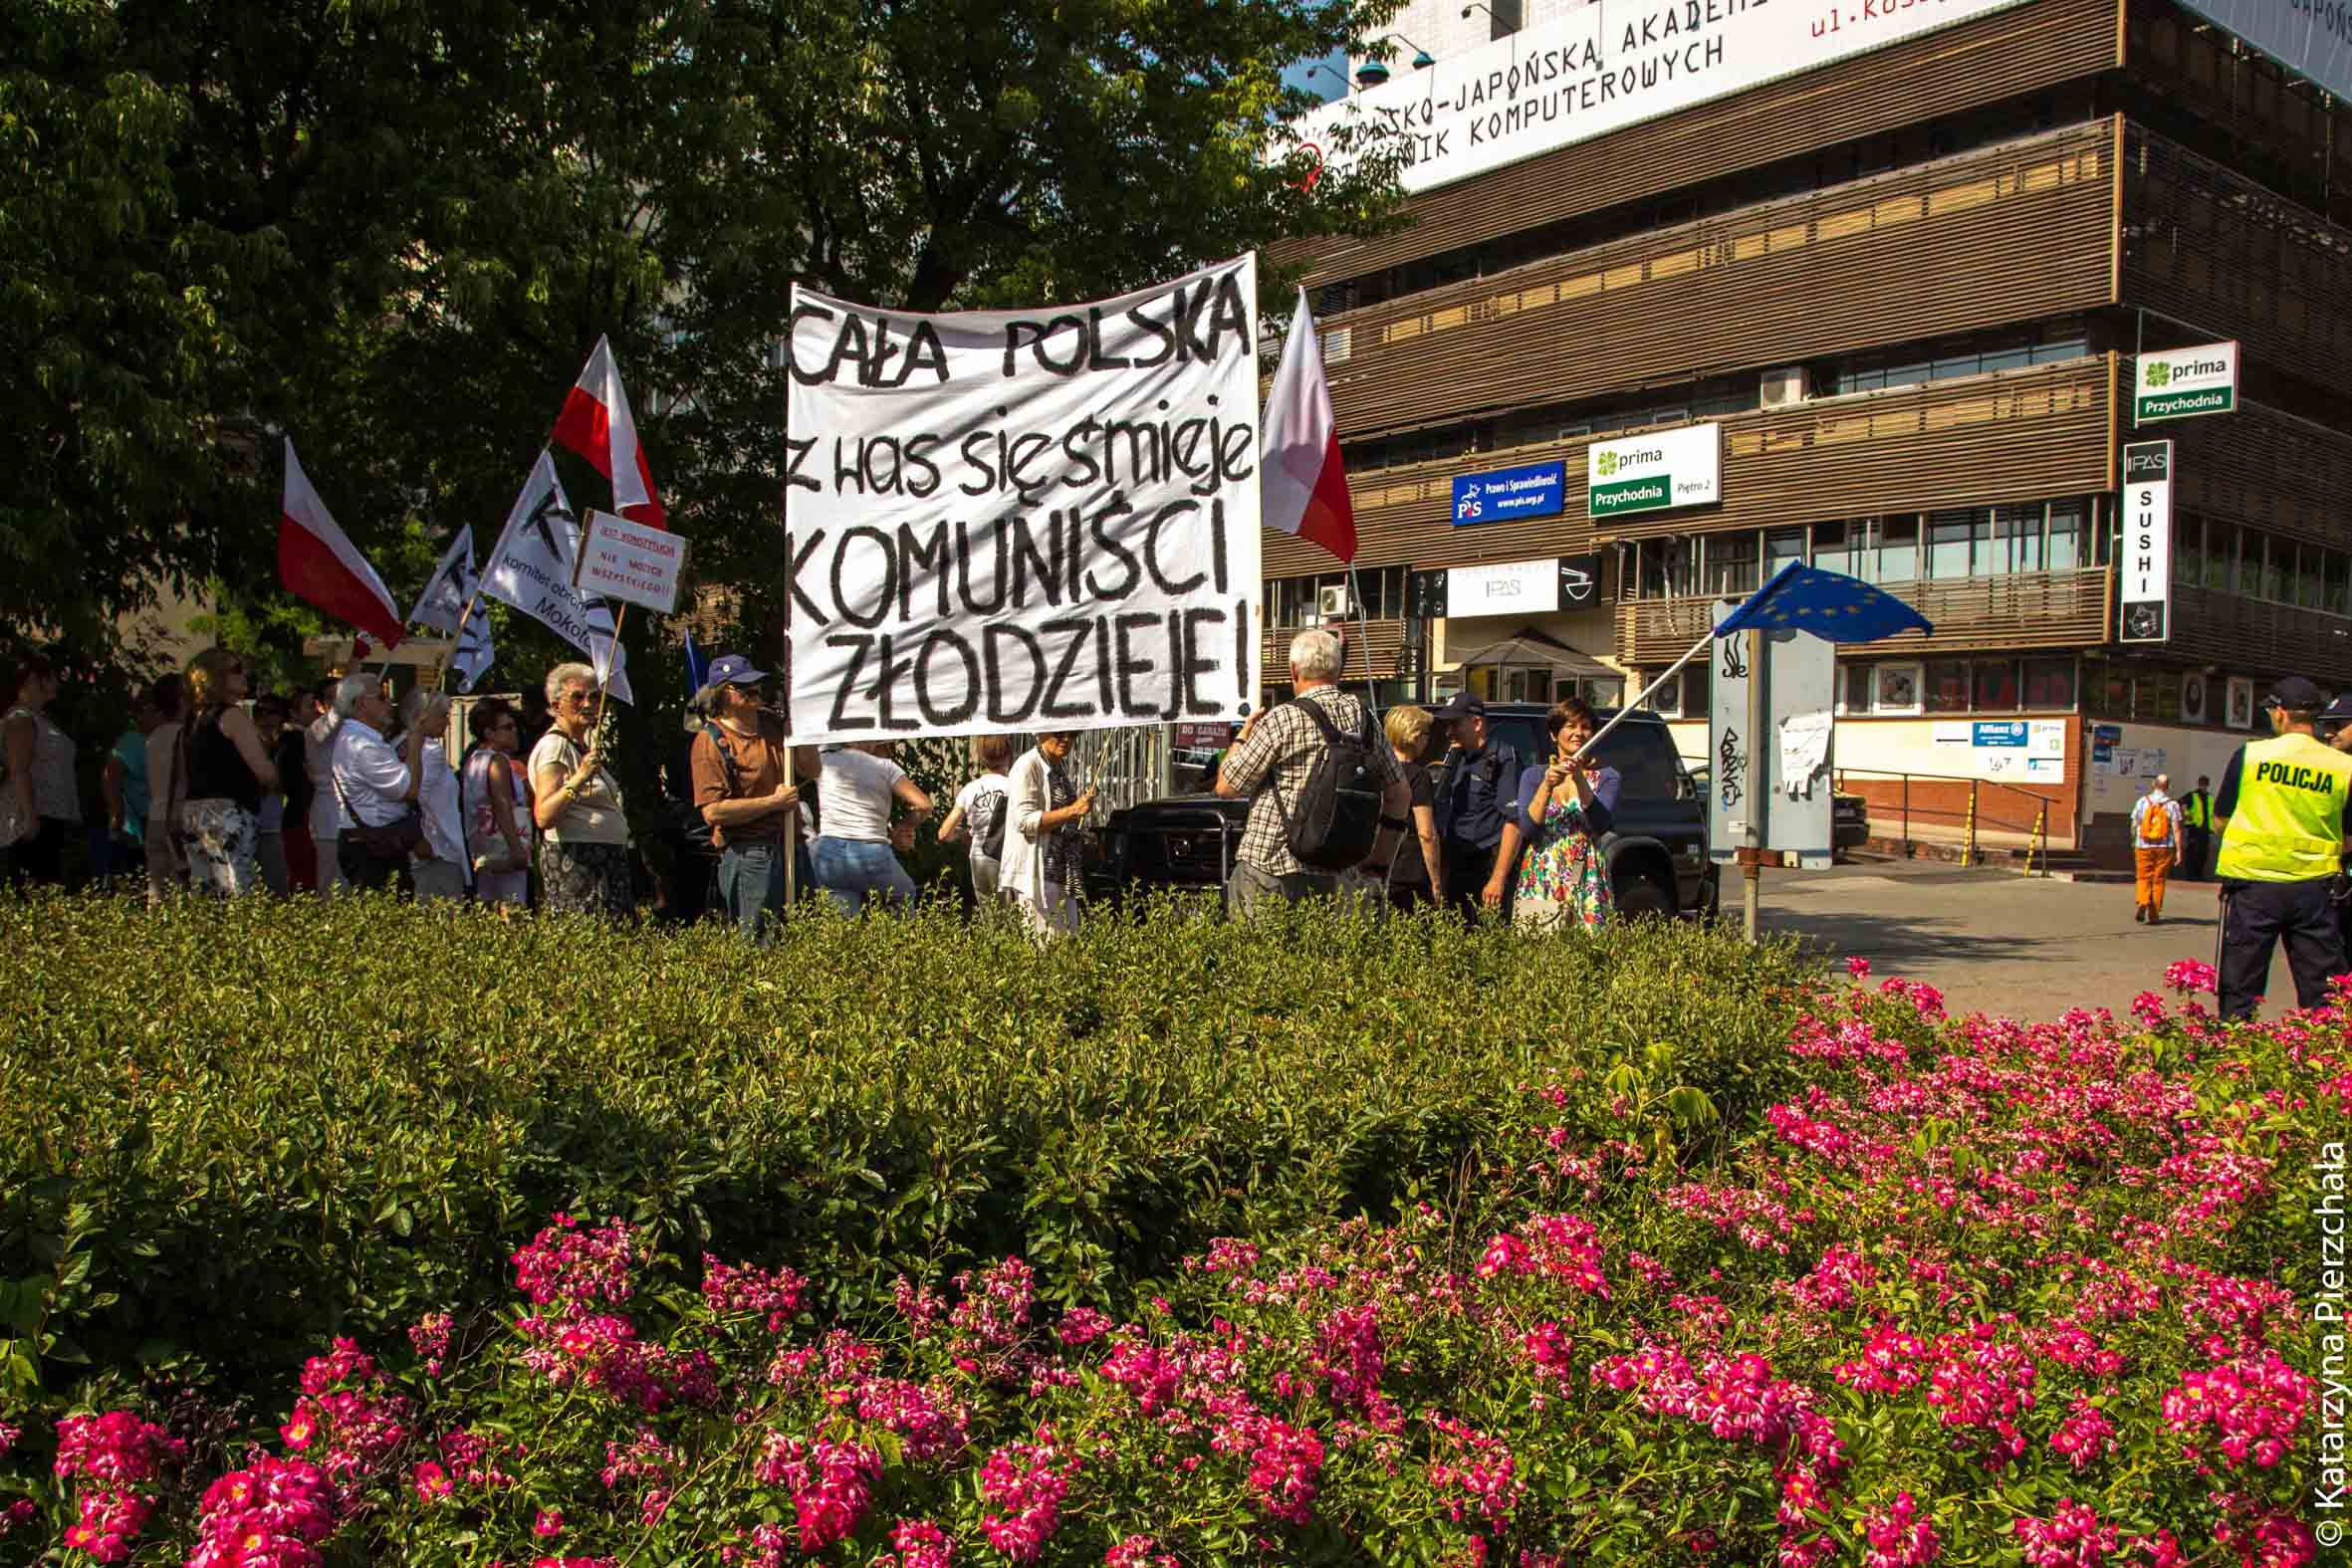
(1373, 73)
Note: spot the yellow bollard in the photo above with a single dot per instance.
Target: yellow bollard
(1968, 847)
(2040, 840)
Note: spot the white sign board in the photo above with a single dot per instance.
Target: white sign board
(1649, 473)
(1512, 587)
(1600, 68)
(2147, 596)
(2311, 38)
(628, 561)
(1024, 520)
(2183, 383)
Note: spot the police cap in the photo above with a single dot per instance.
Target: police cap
(2295, 695)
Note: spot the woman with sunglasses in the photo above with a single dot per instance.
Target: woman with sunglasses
(228, 771)
(1565, 810)
(583, 854)
(497, 807)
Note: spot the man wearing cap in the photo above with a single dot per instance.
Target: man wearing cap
(1476, 791)
(2280, 810)
(2197, 831)
(738, 768)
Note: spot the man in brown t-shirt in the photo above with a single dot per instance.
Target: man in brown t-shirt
(738, 767)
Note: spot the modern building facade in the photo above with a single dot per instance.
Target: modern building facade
(1691, 289)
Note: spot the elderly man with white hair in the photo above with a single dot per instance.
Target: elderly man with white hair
(377, 831)
(1274, 758)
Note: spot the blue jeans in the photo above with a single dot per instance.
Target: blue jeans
(751, 885)
(851, 871)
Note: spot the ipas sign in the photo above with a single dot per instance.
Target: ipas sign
(636, 561)
(2147, 596)
(1649, 473)
(1041, 520)
(2183, 383)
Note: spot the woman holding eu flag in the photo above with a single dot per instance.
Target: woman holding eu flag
(1564, 811)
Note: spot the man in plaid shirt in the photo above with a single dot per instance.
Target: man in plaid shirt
(1270, 761)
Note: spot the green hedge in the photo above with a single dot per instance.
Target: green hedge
(227, 1131)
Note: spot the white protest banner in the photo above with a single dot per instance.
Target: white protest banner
(531, 569)
(1022, 520)
(636, 561)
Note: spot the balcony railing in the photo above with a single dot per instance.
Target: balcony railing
(2041, 609)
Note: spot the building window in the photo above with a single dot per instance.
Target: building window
(1948, 536)
(2067, 522)
(1861, 683)
(1948, 686)
(1898, 549)
(1996, 686)
(1730, 560)
(2049, 684)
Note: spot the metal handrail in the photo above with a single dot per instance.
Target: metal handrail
(2040, 804)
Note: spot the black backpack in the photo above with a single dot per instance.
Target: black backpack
(1000, 807)
(1337, 816)
(693, 830)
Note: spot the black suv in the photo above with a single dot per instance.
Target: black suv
(1656, 846)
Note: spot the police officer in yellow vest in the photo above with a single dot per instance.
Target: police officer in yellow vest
(2280, 809)
(2197, 831)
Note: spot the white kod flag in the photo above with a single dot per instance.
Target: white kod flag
(531, 569)
(445, 597)
(1022, 520)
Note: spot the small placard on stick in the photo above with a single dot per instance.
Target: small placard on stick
(636, 561)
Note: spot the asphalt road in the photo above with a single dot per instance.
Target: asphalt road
(1993, 941)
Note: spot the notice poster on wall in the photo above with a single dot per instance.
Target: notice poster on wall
(1024, 520)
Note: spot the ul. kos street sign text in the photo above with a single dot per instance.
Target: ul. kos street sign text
(1041, 520)
(1649, 473)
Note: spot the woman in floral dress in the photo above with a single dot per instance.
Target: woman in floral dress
(1564, 811)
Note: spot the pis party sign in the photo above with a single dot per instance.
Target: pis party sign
(1022, 520)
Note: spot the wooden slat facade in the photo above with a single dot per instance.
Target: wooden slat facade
(2222, 255)
(2018, 435)
(2029, 609)
(1385, 637)
(2018, 232)
(2266, 468)
(2297, 129)
(1982, 61)
(2242, 634)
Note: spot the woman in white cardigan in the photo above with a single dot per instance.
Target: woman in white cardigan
(1041, 870)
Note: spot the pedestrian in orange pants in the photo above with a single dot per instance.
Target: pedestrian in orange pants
(2156, 847)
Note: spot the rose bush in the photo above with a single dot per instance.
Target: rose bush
(1962, 1290)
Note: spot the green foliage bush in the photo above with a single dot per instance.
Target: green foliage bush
(229, 1131)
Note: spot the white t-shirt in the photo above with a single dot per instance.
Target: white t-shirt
(856, 796)
(980, 815)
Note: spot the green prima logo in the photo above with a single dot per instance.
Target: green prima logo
(2158, 373)
(1608, 464)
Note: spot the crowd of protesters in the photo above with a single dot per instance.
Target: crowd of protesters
(219, 790)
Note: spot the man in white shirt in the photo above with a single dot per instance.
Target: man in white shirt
(369, 780)
(443, 877)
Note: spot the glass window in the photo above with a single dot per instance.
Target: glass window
(2049, 684)
(2308, 588)
(1947, 544)
(2221, 555)
(2276, 554)
(2020, 526)
(2189, 551)
(1782, 546)
(1731, 560)
(2156, 696)
(2007, 359)
(2066, 551)
(1898, 551)
(1860, 682)
(1948, 686)
(1996, 685)
(2332, 597)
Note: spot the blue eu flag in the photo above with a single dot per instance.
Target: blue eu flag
(1830, 604)
(698, 668)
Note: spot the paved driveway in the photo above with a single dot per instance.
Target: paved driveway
(1994, 941)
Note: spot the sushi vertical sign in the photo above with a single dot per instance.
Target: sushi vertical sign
(2147, 597)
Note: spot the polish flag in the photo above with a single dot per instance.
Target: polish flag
(319, 564)
(597, 424)
(1301, 485)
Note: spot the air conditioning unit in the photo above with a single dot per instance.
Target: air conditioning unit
(1331, 604)
(1784, 384)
